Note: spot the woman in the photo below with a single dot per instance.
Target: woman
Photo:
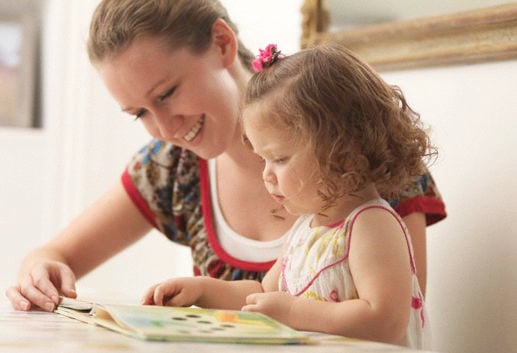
(179, 67)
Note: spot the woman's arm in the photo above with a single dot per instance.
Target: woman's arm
(102, 230)
(416, 225)
(420, 205)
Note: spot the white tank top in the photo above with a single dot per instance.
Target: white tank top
(235, 244)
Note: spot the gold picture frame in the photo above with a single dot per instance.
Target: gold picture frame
(18, 63)
(480, 35)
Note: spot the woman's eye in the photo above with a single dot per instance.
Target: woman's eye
(167, 94)
(140, 114)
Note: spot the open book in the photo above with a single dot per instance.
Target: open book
(165, 323)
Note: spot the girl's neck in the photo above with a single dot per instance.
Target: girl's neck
(344, 206)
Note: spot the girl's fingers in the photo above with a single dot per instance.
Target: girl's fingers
(148, 296)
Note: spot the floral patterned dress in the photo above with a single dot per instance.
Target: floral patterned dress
(171, 188)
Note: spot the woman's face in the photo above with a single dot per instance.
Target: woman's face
(189, 100)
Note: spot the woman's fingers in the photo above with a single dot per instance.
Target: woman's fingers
(67, 280)
(43, 287)
(41, 293)
(18, 301)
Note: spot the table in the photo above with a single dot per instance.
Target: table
(42, 332)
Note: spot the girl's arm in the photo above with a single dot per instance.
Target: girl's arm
(379, 263)
(208, 292)
(203, 291)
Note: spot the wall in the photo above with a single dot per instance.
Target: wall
(472, 283)
(50, 175)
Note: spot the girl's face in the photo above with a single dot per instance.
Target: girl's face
(189, 100)
(290, 167)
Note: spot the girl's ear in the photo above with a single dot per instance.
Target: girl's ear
(224, 38)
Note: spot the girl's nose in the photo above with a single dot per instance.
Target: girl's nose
(268, 176)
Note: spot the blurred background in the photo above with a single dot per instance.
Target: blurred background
(71, 142)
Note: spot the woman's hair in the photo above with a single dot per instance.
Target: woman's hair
(181, 23)
(362, 130)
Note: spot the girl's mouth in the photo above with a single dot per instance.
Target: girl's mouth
(278, 198)
(189, 136)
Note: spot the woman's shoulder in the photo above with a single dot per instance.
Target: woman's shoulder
(160, 169)
(162, 153)
(422, 195)
(159, 163)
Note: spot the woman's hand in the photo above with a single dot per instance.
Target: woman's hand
(41, 286)
(174, 292)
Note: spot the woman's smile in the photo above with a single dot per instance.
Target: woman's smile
(189, 136)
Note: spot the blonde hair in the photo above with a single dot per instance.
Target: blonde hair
(181, 23)
(362, 130)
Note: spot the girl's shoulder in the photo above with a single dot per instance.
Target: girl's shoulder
(374, 217)
(380, 205)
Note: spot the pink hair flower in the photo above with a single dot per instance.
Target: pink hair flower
(266, 57)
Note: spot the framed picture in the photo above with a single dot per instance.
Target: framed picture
(466, 32)
(18, 63)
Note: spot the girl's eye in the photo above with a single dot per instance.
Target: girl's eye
(167, 94)
(281, 160)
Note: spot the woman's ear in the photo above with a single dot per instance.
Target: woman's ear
(225, 39)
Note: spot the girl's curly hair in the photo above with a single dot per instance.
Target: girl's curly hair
(362, 129)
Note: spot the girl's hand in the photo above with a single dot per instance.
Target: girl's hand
(42, 286)
(276, 305)
(174, 292)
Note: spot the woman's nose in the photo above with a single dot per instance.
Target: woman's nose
(167, 124)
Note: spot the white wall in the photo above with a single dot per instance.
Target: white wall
(472, 286)
(48, 176)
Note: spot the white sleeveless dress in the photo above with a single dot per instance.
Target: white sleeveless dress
(315, 265)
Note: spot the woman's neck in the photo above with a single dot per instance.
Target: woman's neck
(237, 152)
(241, 158)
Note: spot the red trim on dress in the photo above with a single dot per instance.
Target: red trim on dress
(206, 207)
(434, 209)
(137, 198)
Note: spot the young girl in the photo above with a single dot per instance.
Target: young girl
(180, 69)
(333, 137)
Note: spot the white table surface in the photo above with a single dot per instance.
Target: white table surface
(41, 332)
